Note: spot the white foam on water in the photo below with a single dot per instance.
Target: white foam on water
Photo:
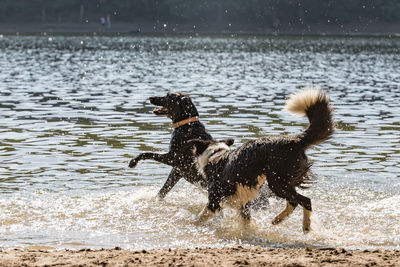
(135, 219)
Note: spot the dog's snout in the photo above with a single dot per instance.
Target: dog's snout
(155, 100)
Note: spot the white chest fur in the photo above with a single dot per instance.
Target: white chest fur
(245, 194)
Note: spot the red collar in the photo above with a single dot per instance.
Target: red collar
(186, 121)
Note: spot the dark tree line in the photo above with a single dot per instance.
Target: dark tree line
(262, 12)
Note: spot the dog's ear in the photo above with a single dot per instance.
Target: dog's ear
(229, 141)
(198, 145)
(188, 107)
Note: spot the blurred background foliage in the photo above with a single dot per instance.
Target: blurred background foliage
(262, 12)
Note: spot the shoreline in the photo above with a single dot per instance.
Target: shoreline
(228, 256)
(373, 30)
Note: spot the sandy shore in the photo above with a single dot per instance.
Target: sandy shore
(233, 256)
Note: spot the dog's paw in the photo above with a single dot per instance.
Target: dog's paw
(159, 198)
(276, 221)
(306, 229)
(197, 222)
(245, 223)
(132, 163)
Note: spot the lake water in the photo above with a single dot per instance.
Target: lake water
(74, 110)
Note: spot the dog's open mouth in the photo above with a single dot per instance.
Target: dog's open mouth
(161, 111)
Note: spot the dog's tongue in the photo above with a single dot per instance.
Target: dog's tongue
(160, 111)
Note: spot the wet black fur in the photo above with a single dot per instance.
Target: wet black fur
(280, 158)
(180, 107)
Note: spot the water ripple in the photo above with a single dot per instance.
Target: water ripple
(74, 110)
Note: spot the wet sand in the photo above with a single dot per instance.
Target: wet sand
(230, 256)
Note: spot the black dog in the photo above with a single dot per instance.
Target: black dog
(235, 177)
(183, 113)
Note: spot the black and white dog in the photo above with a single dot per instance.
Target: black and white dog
(235, 176)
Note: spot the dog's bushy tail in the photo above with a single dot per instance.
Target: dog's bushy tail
(314, 104)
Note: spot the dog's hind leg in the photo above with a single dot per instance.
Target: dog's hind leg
(290, 206)
(289, 193)
(305, 202)
(172, 179)
(306, 220)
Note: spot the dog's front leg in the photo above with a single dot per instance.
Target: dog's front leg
(204, 215)
(142, 156)
(245, 214)
(163, 158)
(172, 179)
(209, 211)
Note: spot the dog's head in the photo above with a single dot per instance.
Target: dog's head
(177, 106)
(199, 147)
(205, 151)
